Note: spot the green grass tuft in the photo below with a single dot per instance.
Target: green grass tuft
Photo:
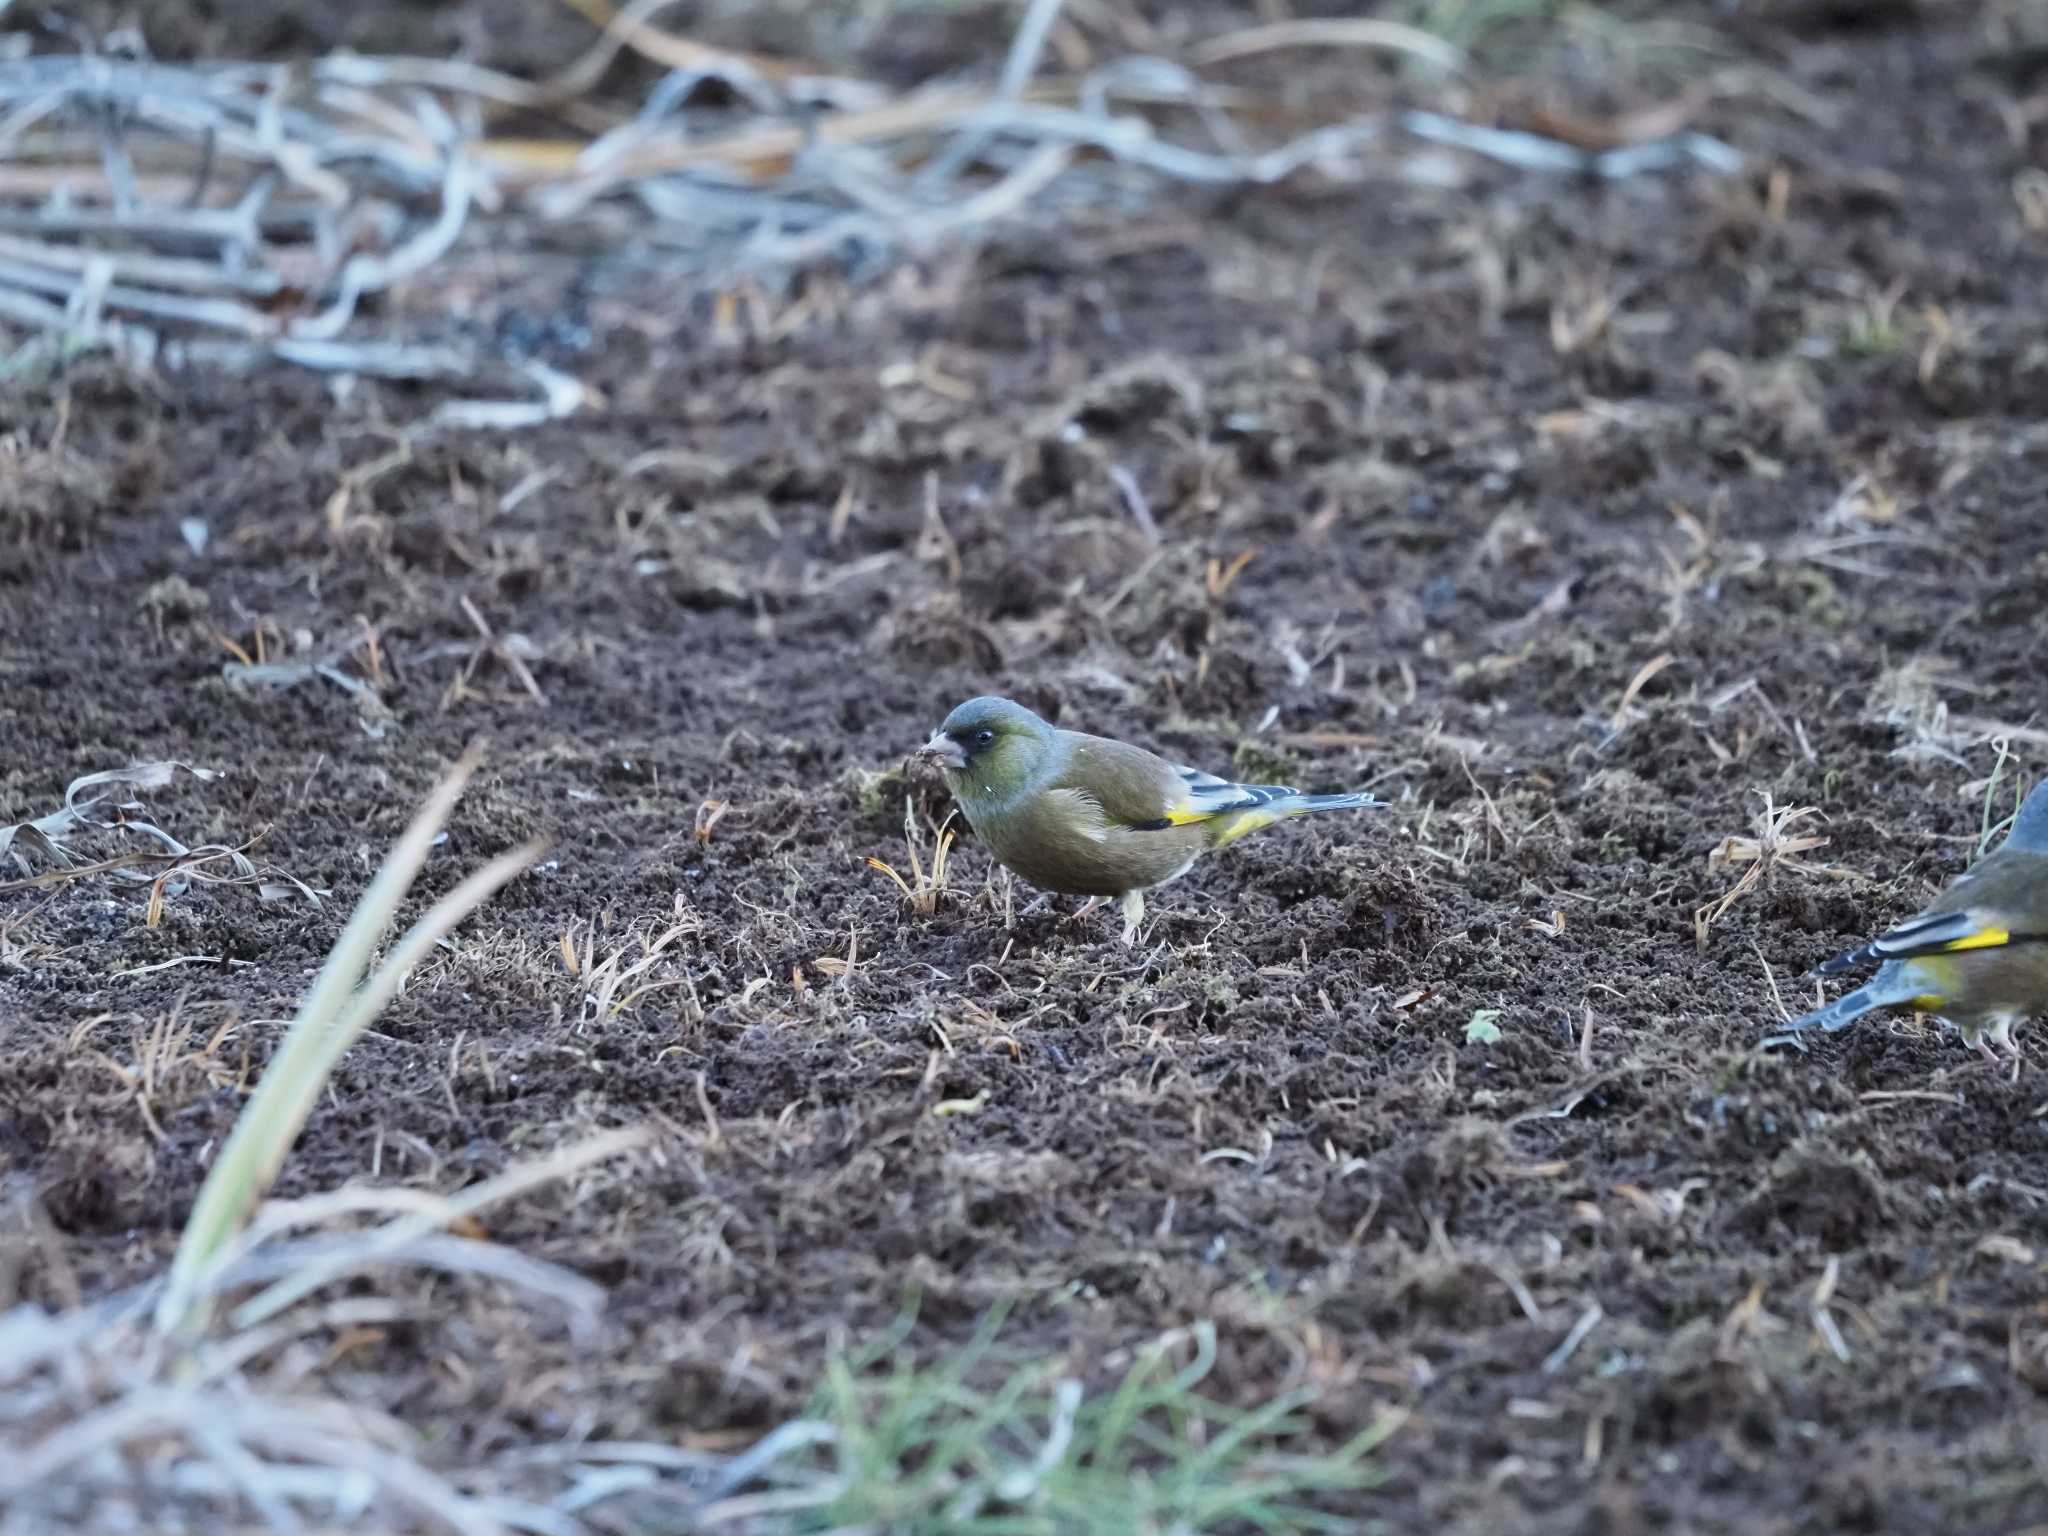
(935, 1451)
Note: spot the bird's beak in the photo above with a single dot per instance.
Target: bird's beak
(943, 752)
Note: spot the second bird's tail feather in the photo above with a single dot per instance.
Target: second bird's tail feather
(1357, 802)
(1842, 1012)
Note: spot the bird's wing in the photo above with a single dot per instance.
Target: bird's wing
(1941, 933)
(1144, 792)
(1996, 903)
(1207, 795)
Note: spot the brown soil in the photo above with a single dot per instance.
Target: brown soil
(1476, 538)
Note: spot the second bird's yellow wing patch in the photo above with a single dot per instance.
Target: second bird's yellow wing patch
(1983, 938)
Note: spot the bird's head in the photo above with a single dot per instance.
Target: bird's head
(2030, 828)
(988, 747)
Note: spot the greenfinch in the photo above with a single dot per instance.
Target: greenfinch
(1086, 816)
(1977, 957)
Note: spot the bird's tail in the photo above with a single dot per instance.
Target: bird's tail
(1240, 823)
(1358, 802)
(1895, 982)
(1841, 1013)
(1917, 982)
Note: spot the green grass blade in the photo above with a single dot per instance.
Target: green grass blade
(327, 1021)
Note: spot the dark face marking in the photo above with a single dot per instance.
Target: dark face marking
(975, 738)
(964, 745)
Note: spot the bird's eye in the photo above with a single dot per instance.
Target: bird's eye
(984, 738)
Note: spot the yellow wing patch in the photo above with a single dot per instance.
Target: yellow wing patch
(1187, 818)
(1983, 938)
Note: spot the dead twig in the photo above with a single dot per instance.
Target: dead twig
(505, 652)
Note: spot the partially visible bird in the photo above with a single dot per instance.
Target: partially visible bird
(1977, 957)
(1087, 816)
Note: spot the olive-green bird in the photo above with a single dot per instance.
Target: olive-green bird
(1087, 816)
(1977, 957)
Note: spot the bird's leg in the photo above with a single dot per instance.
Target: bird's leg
(1133, 903)
(2000, 1035)
(1085, 908)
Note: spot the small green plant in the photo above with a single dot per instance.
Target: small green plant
(1873, 329)
(1988, 829)
(930, 1450)
(1483, 1028)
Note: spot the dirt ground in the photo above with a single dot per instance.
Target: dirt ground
(1493, 453)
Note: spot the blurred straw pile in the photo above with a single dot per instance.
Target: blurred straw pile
(236, 212)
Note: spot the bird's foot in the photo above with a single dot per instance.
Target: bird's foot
(1133, 904)
(1084, 909)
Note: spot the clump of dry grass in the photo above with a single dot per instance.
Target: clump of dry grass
(615, 981)
(1908, 698)
(108, 1422)
(924, 888)
(47, 488)
(1772, 846)
(1911, 699)
(102, 813)
(168, 1060)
